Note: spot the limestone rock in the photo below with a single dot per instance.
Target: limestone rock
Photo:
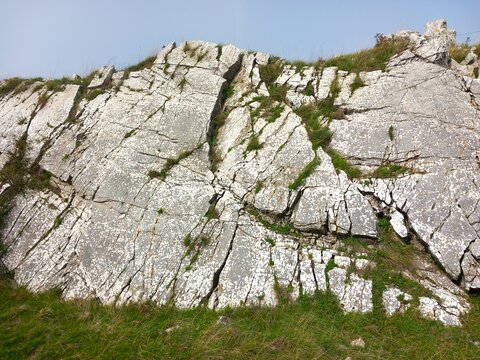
(183, 179)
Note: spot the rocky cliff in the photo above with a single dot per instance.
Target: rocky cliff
(216, 176)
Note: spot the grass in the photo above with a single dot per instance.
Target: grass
(169, 164)
(319, 135)
(375, 58)
(254, 144)
(340, 163)
(44, 326)
(304, 174)
(391, 133)
(389, 171)
(458, 52)
(357, 83)
(144, 64)
(271, 71)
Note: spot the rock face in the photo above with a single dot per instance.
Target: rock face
(175, 184)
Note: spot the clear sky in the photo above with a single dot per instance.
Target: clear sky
(54, 38)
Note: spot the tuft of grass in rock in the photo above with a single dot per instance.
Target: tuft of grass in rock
(340, 163)
(228, 92)
(92, 94)
(375, 58)
(304, 174)
(389, 171)
(391, 133)
(212, 212)
(170, 163)
(254, 144)
(319, 135)
(129, 134)
(144, 64)
(357, 83)
(309, 90)
(270, 241)
(271, 71)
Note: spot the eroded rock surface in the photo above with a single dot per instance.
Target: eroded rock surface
(174, 184)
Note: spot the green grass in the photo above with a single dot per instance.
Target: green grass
(271, 71)
(340, 163)
(389, 171)
(254, 144)
(458, 52)
(319, 135)
(44, 326)
(375, 58)
(357, 83)
(304, 174)
(144, 64)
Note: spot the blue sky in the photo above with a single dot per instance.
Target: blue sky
(54, 38)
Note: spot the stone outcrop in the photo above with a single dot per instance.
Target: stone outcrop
(178, 184)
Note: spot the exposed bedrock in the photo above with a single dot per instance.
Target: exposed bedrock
(190, 182)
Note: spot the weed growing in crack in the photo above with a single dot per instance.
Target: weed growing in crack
(357, 83)
(271, 71)
(304, 174)
(270, 241)
(129, 134)
(389, 171)
(340, 163)
(254, 144)
(391, 133)
(212, 212)
(259, 186)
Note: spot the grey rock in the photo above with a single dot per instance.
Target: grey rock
(102, 78)
(394, 300)
(139, 188)
(358, 343)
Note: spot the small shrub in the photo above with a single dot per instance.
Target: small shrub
(65, 156)
(58, 221)
(160, 211)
